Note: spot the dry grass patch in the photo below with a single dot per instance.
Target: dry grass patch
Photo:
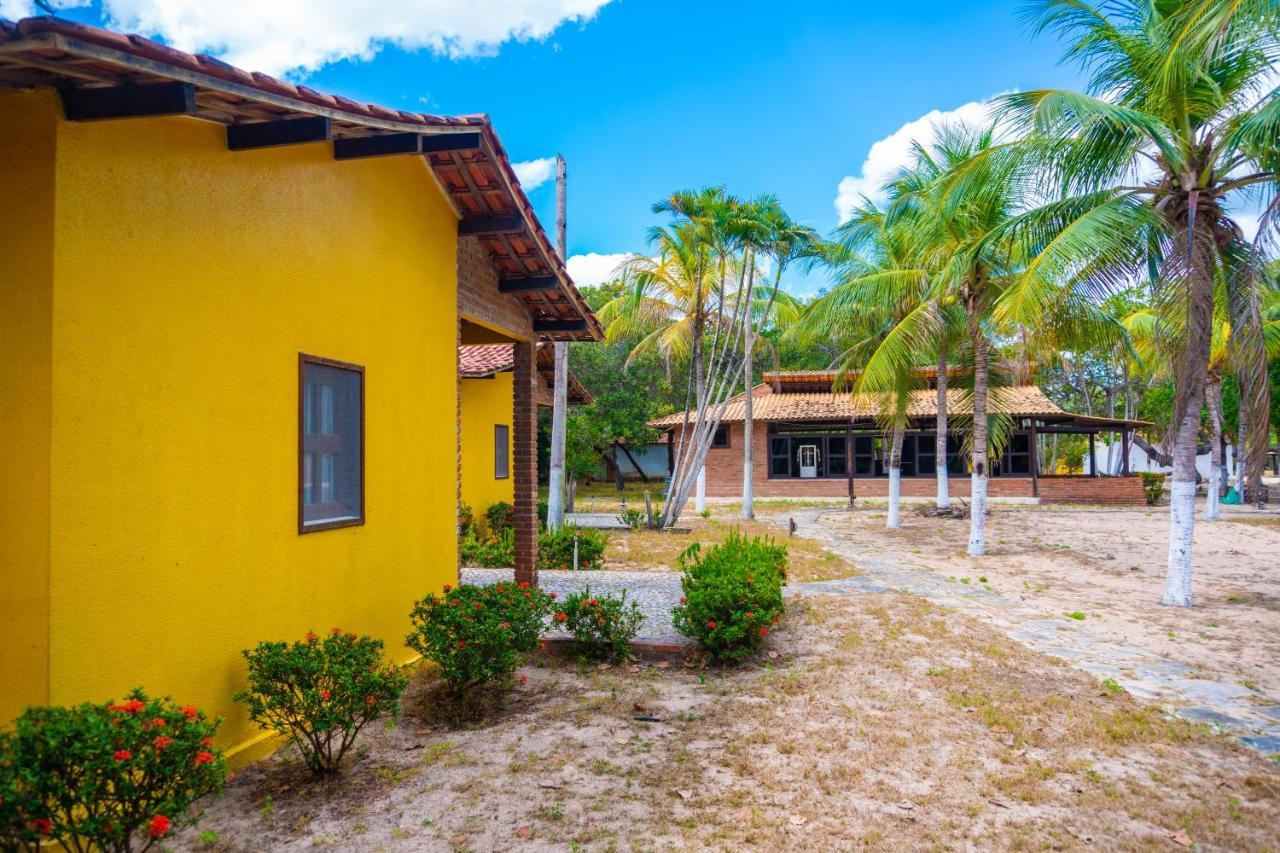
(652, 550)
(877, 720)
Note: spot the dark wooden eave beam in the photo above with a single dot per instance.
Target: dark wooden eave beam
(134, 100)
(531, 284)
(559, 326)
(392, 144)
(471, 225)
(268, 134)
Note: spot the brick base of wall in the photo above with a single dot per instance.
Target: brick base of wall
(724, 480)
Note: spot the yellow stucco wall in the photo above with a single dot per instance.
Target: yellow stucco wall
(26, 276)
(187, 280)
(485, 402)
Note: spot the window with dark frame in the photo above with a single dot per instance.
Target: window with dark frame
(330, 444)
(721, 438)
(501, 451)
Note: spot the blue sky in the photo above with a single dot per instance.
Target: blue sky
(642, 96)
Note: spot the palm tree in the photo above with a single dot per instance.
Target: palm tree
(1177, 90)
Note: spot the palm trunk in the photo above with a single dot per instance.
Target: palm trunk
(1213, 399)
(748, 342)
(978, 478)
(700, 381)
(1197, 247)
(894, 519)
(940, 444)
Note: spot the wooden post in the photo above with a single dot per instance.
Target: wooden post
(848, 460)
(1035, 460)
(1124, 451)
(1093, 459)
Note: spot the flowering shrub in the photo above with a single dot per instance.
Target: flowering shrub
(501, 516)
(476, 634)
(732, 594)
(555, 550)
(321, 692)
(603, 626)
(117, 776)
(466, 520)
(494, 551)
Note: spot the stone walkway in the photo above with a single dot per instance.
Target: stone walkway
(655, 592)
(1251, 716)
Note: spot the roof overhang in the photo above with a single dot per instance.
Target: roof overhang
(101, 74)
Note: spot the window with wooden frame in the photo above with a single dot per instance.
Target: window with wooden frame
(501, 451)
(330, 444)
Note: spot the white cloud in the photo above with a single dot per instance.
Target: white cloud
(298, 36)
(593, 268)
(535, 173)
(15, 9)
(887, 155)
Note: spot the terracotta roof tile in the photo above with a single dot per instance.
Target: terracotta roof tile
(476, 361)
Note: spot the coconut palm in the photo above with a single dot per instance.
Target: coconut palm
(1180, 116)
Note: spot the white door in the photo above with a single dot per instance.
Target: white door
(808, 460)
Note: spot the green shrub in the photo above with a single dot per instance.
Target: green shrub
(634, 518)
(732, 594)
(114, 777)
(555, 550)
(476, 634)
(501, 516)
(602, 626)
(493, 551)
(321, 692)
(466, 520)
(1153, 486)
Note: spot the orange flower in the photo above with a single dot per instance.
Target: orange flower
(190, 711)
(325, 694)
(711, 623)
(448, 587)
(203, 757)
(764, 631)
(207, 742)
(161, 742)
(133, 706)
(335, 631)
(158, 827)
(312, 636)
(122, 755)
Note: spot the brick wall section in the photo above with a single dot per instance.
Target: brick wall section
(478, 296)
(1111, 491)
(724, 479)
(524, 462)
(457, 473)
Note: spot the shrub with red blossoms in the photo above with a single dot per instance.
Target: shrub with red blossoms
(99, 776)
(603, 626)
(317, 693)
(732, 593)
(476, 634)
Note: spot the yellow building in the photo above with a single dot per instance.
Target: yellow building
(229, 388)
(486, 374)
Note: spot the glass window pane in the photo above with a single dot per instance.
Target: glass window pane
(501, 451)
(332, 432)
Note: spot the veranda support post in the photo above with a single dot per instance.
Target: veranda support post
(525, 461)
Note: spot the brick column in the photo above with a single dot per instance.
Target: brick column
(524, 461)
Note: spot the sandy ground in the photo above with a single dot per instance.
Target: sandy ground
(879, 722)
(1109, 565)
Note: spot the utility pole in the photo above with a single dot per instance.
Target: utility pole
(555, 490)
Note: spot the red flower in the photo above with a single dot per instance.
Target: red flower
(42, 825)
(504, 624)
(448, 587)
(562, 617)
(553, 595)
(370, 700)
(312, 636)
(122, 755)
(462, 644)
(207, 742)
(325, 694)
(524, 584)
(203, 757)
(683, 600)
(524, 679)
(594, 603)
(750, 615)
(711, 623)
(161, 742)
(133, 706)
(158, 827)
(764, 631)
(335, 631)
